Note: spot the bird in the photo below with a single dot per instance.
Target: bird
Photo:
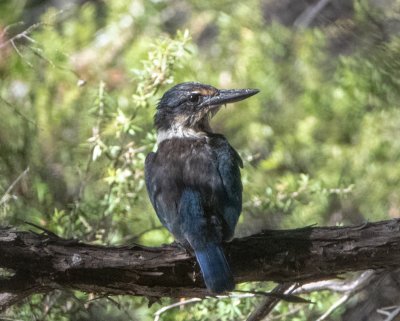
(193, 179)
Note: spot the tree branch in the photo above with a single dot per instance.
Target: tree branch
(268, 304)
(37, 263)
(6, 195)
(308, 15)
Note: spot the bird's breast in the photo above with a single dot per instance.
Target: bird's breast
(187, 163)
(186, 153)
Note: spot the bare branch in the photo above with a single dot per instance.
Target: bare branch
(5, 197)
(300, 255)
(36, 51)
(18, 112)
(23, 34)
(184, 302)
(308, 15)
(20, 54)
(270, 302)
(171, 306)
(338, 286)
(349, 289)
(337, 304)
(388, 313)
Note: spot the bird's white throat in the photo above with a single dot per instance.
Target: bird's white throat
(179, 131)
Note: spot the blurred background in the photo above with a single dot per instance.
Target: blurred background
(79, 82)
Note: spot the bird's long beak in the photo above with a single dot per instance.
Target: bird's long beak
(226, 96)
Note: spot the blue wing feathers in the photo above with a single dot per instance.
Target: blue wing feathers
(228, 169)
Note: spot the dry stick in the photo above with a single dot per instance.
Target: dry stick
(20, 54)
(338, 286)
(46, 231)
(36, 51)
(5, 30)
(308, 15)
(180, 303)
(284, 316)
(132, 238)
(269, 302)
(332, 308)
(248, 294)
(5, 196)
(184, 302)
(7, 103)
(275, 295)
(390, 315)
(23, 34)
(350, 290)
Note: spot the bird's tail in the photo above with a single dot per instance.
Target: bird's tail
(215, 268)
(209, 253)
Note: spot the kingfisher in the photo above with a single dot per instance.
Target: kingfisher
(193, 179)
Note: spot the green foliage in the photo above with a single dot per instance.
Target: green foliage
(320, 142)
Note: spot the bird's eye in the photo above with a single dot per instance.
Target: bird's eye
(194, 98)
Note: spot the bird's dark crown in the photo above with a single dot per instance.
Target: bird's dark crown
(190, 105)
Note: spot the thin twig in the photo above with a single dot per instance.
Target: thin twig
(9, 189)
(351, 289)
(308, 15)
(18, 112)
(275, 294)
(134, 238)
(5, 30)
(117, 304)
(184, 302)
(20, 54)
(338, 303)
(234, 296)
(270, 302)
(338, 286)
(23, 34)
(390, 315)
(283, 316)
(26, 32)
(48, 232)
(37, 52)
(29, 39)
(9, 319)
(171, 306)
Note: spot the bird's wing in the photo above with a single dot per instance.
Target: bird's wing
(152, 174)
(147, 176)
(229, 162)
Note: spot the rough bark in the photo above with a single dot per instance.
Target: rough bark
(37, 263)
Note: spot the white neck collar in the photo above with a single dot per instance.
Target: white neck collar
(178, 132)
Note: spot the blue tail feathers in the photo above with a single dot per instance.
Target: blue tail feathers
(215, 268)
(205, 241)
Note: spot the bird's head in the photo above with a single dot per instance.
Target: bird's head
(188, 107)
